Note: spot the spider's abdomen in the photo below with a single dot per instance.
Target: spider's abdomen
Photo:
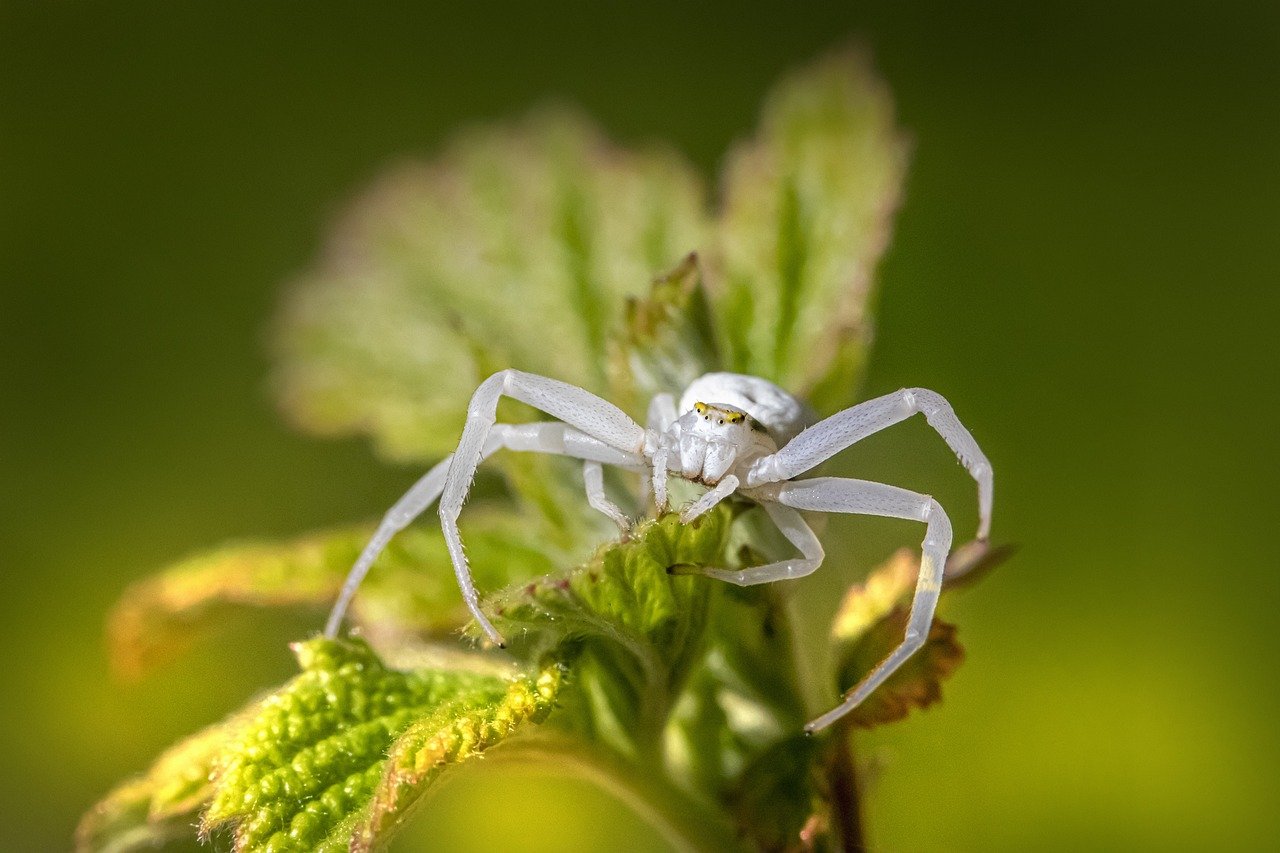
(782, 415)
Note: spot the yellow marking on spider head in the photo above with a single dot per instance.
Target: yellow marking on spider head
(724, 416)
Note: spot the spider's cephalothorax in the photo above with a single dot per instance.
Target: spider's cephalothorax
(715, 438)
(732, 433)
(723, 429)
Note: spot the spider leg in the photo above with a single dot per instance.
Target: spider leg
(548, 437)
(662, 413)
(592, 417)
(798, 533)
(658, 479)
(837, 494)
(727, 486)
(828, 437)
(593, 477)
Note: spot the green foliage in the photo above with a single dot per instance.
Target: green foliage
(412, 593)
(542, 231)
(629, 629)
(307, 767)
(442, 273)
(531, 246)
(807, 213)
(670, 335)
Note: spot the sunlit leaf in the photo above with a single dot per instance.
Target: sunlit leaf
(866, 603)
(411, 588)
(807, 214)
(455, 733)
(516, 247)
(303, 771)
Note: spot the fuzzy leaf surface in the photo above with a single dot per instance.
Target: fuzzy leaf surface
(516, 247)
(629, 628)
(162, 804)
(306, 768)
(807, 214)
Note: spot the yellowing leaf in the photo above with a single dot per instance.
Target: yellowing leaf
(916, 684)
(455, 733)
(871, 622)
(411, 588)
(867, 603)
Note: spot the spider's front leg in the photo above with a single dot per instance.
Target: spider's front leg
(548, 437)
(596, 418)
(708, 500)
(662, 413)
(828, 437)
(593, 478)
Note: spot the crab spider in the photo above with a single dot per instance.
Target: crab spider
(732, 433)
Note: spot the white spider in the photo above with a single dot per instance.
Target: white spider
(727, 439)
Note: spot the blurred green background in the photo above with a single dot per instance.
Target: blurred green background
(1087, 265)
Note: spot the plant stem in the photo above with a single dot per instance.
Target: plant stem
(846, 805)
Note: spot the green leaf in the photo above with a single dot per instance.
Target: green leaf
(736, 730)
(457, 732)
(740, 700)
(774, 798)
(410, 591)
(669, 338)
(628, 627)
(308, 770)
(870, 623)
(807, 215)
(516, 247)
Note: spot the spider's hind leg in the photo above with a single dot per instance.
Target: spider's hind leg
(837, 494)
